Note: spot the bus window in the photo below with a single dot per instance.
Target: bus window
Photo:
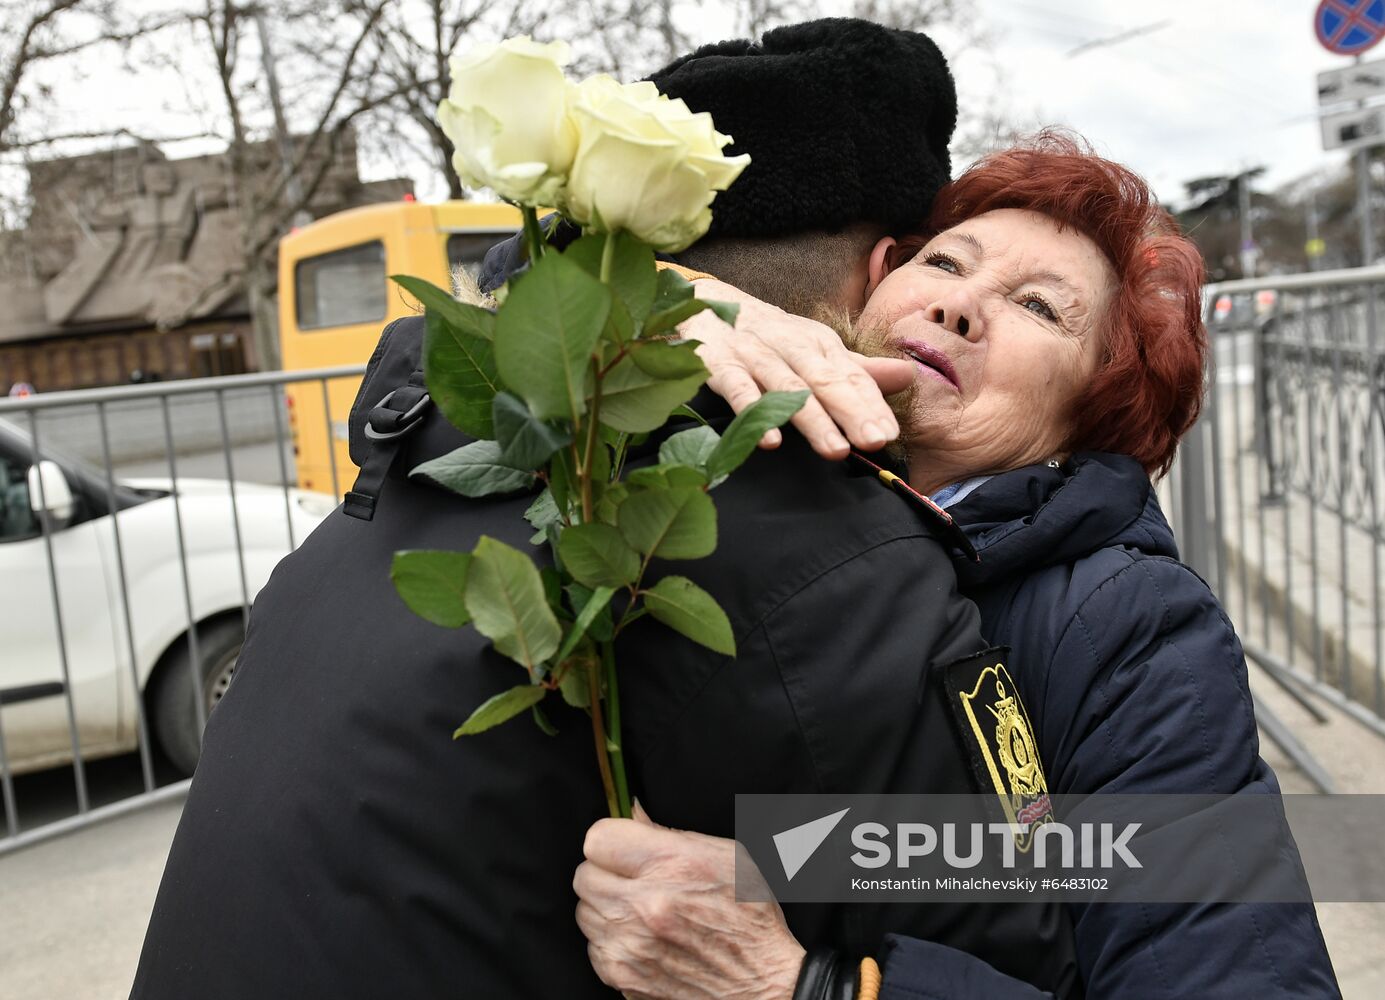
(468, 250)
(342, 287)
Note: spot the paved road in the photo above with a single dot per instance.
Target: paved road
(251, 463)
(73, 911)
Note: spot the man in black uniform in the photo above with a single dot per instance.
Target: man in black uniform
(336, 841)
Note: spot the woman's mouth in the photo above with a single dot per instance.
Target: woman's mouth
(930, 362)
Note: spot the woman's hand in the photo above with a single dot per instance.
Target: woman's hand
(773, 350)
(659, 910)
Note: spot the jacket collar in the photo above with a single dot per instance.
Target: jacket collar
(1037, 516)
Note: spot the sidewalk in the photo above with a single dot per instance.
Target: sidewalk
(73, 911)
(1355, 932)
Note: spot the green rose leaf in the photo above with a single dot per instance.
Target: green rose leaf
(501, 708)
(459, 369)
(634, 401)
(474, 470)
(670, 288)
(541, 720)
(691, 447)
(620, 326)
(611, 499)
(691, 414)
(595, 604)
(632, 278)
(596, 555)
(601, 628)
(561, 480)
(669, 523)
(525, 442)
(432, 584)
(685, 607)
(469, 319)
(664, 322)
(667, 359)
(663, 476)
(725, 311)
(542, 513)
(553, 589)
(545, 334)
(506, 598)
(674, 301)
(773, 409)
(573, 686)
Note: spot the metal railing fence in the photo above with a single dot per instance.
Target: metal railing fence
(1280, 490)
(1277, 500)
(109, 594)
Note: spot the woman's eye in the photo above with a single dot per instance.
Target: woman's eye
(943, 262)
(1040, 308)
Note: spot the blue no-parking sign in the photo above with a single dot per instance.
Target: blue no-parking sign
(1349, 27)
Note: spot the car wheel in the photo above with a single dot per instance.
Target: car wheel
(172, 699)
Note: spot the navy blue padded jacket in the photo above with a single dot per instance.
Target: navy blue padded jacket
(1136, 683)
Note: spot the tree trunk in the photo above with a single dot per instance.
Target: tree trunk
(264, 317)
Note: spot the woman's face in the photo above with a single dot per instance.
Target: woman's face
(999, 316)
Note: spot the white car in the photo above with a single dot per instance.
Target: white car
(212, 568)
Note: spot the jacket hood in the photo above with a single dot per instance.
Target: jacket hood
(1037, 516)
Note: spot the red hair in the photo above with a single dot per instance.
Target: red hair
(1147, 389)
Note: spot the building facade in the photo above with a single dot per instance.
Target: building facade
(131, 267)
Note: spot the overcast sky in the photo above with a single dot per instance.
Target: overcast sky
(1225, 84)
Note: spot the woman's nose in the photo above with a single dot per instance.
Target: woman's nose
(953, 320)
(956, 317)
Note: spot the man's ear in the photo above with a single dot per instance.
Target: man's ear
(878, 265)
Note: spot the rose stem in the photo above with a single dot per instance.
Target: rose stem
(533, 235)
(608, 661)
(603, 759)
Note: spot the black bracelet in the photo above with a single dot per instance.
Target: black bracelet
(826, 975)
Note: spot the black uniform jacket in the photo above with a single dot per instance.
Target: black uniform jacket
(337, 842)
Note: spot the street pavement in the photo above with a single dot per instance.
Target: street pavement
(73, 910)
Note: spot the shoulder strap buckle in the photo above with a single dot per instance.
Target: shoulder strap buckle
(387, 422)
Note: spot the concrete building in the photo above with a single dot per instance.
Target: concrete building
(130, 267)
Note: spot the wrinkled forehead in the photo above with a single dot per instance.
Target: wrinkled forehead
(1030, 246)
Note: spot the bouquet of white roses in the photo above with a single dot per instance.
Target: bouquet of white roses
(580, 362)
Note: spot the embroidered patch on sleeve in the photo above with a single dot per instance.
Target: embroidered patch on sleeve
(999, 738)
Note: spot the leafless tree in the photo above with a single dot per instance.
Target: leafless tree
(38, 32)
(292, 78)
(628, 38)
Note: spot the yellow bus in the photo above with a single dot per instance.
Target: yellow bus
(335, 297)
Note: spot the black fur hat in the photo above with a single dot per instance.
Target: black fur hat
(845, 121)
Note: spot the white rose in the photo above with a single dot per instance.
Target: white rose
(645, 164)
(507, 115)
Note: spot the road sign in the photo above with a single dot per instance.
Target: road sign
(1354, 129)
(1352, 83)
(1349, 27)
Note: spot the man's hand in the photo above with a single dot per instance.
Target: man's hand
(773, 350)
(659, 910)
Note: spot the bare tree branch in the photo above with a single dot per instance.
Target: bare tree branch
(23, 59)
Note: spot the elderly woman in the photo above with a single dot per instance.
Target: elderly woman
(1050, 314)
